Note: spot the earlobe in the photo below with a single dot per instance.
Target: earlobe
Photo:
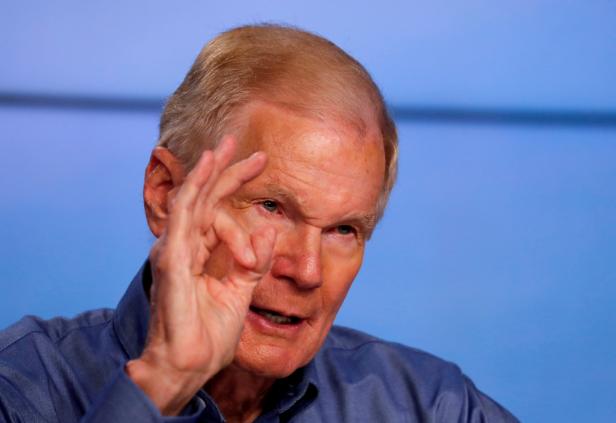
(163, 174)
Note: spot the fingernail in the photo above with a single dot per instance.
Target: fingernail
(249, 256)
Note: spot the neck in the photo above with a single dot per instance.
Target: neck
(239, 394)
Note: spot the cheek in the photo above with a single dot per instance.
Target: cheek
(339, 271)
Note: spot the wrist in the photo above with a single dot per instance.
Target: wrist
(169, 390)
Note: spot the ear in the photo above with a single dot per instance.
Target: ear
(163, 175)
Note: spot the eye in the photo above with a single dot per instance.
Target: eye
(270, 205)
(345, 229)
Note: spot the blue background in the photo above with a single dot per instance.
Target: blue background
(498, 250)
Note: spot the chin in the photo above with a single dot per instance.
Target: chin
(272, 358)
(269, 361)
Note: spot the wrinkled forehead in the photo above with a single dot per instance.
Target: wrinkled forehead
(322, 173)
(264, 121)
(299, 145)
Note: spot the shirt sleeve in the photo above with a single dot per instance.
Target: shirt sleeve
(122, 401)
(473, 406)
(14, 407)
(483, 408)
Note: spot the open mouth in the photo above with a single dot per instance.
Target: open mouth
(275, 317)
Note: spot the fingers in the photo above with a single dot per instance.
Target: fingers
(197, 223)
(222, 184)
(223, 154)
(262, 242)
(237, 175)
(181, 210)
(195, 180)
(236, 239)
(205, 173)
(211, 180)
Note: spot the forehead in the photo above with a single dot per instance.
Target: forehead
(323, 164)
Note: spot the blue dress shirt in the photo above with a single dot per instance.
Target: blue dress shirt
(70, 370)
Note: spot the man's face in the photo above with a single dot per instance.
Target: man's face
(319, 191)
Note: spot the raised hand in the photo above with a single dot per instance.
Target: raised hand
(196, 318)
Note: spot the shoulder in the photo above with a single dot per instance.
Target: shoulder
(37, 347)
(32, 330)
(365, 354)
(412, 381)
(41, 361)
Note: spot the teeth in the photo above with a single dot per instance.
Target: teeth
(276, 318)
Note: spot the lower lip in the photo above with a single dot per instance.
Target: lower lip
(264, 325)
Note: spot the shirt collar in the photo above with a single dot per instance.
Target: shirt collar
(131, 319)
(292, 394)
(132, 315)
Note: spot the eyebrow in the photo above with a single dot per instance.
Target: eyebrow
(366, 222)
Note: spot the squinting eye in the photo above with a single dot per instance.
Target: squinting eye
(270, 206)
(345, 229)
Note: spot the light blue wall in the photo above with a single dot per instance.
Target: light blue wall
(498, 250)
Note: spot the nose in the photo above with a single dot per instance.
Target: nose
(297, 257)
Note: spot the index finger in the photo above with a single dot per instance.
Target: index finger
(235, 176)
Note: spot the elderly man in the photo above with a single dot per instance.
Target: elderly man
(275, 160)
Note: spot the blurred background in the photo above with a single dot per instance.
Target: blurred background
(498, 250)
